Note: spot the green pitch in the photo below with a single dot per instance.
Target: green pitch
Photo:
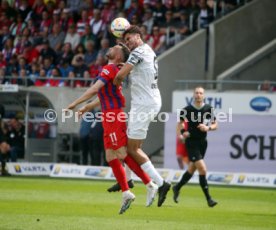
(63, 204)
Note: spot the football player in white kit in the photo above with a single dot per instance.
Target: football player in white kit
(142, 68)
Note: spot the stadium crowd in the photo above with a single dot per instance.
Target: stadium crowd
(41, 40)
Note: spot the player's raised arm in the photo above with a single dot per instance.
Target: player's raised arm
(92, 91)
(88, 107)
(121, 75)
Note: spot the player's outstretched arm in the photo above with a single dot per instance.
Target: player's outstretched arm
(88, 107)
(92, 91)
(121, 75)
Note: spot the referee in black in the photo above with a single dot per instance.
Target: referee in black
(201, 119)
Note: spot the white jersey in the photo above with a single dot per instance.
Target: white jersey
(144, 76)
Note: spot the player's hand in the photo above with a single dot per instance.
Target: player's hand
(120, 65)
(71, 106)
(182, 138)
(203, 128)
(68, 108)
(117, 81)
(4, 147)
(186, 134)
(82, 111)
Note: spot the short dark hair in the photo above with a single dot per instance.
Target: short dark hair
(125, 52)
(133, 30)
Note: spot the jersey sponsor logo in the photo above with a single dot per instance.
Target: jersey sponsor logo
(105, 71)
(260, 104)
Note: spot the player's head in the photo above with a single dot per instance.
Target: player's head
(133, 37)
(118, 53)
(199, 94)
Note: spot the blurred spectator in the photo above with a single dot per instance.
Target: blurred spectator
(158, 41)
(47, 52)
(79, 66)
(148, 20)
(159, 11)
(145, 35)
(82, 22)
(24, 8)
(3, 62)
(65, 67)
(182, 25)
(4, 36)
(96, 68)
(107, 14)
(37, 9)
(3, 79)
(46, 21)
(168, 27)
(55, 73)
(80, 49)
(48, 65)
(16, 139)
(84, 131)
(66, 19)
(42, 78)
(176, 8)
(205, 14)
(23, 78)
(118, 8)
(4, 20)
(104, 46)
(90, 55)
(4, 146)
(134, 9)
(67, 52)
(72, 37)
(9, 49)
(96, 144)
(30, 53)
(17, 27)
(34, 72)
(11, 65)
(8, 9)
(267, 86)
(56, 38)
(98, 27)
(87, 35)
(135, 20)
(73, 4)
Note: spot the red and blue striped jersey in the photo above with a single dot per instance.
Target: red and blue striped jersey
(111, 96)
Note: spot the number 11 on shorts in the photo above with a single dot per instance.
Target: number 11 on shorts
(113, 138)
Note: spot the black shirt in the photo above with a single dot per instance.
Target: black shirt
(195, 116)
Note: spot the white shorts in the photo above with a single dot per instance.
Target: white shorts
(139, 120)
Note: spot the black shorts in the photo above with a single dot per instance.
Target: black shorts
(196, 149)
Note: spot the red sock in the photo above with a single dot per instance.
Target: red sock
(119, 173)
(135, 167)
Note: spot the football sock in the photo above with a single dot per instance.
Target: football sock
(119, 173)
(185, 178)
(135, 167)
(204, 186)
(151, 171)
(128, 172)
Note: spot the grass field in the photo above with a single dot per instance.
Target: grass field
(63, 204)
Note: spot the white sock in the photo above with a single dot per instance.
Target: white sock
(128, 172)
(151, 171)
